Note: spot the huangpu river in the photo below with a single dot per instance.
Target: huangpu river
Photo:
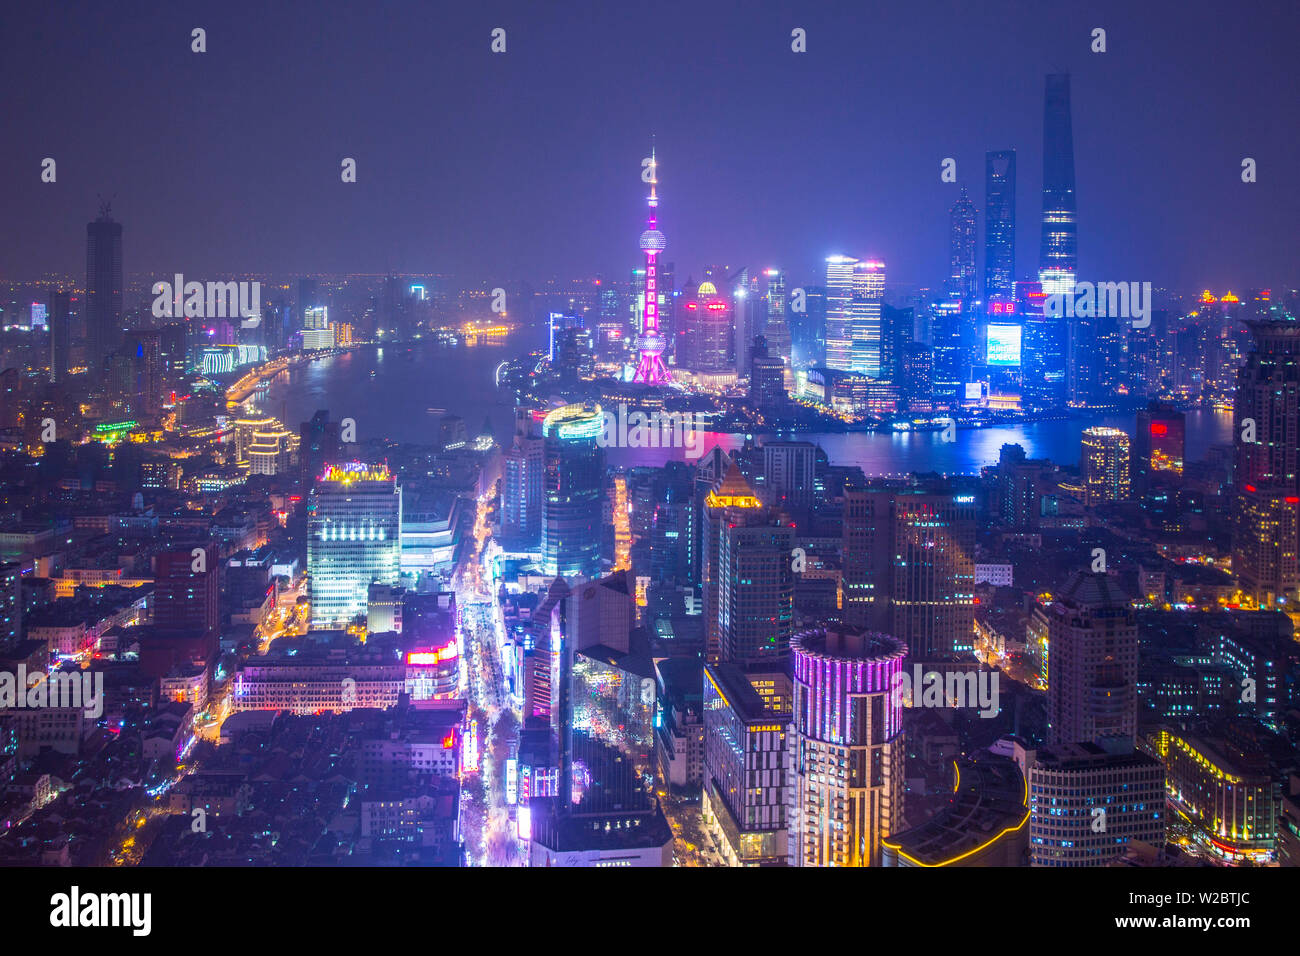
(391, 390)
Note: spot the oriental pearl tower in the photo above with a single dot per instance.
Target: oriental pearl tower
(650, 368)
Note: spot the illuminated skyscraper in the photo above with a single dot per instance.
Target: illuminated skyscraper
(1058, 254)
(1043, 348)
(855, 291)
(745, 766)
(523, 467)
(1092, 664)
(777, 328)
(1087, 804)
(909, 566)
(846, 746)
(747, 577)
(573, 491)
(743, 324)
(839, 298)
(650, 367)
(961, 273)
(1266, 420)
(354, 519)
(704, 342)
(1104, 462)
(103, 289)
(999, 224)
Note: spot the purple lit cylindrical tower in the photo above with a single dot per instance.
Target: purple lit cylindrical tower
(846, 746)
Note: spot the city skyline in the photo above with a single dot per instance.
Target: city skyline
(797, 211)
(899, 468)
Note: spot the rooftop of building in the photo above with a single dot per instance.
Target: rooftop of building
(988, 802)
(733, 684)
(1089, 756)
(1093, 590)
(845, 643)
(560, 832)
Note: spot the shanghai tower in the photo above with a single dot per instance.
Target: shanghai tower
(1057, 260)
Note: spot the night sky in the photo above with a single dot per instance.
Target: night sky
(527, 164)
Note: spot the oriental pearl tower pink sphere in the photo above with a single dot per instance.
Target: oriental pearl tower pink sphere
(650, 367)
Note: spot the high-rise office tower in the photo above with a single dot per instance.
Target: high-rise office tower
(522, 483)
(705, 343)
(1092, 663)
(747, 577)
(855, 291)
(1086, 805)
(766, 376)
(573, 491)
(777, 327)
(897, 330)
(745, 764)
(1043, 348)
(867, 339)
(173, 350)
(909, 565)
(309, 297)
(790, 473)
(808, 327)
(318, 446)
(145, 389)
(103, 289)
(846, 746)
(1266, 432)
(353, 540)
(1158, 443)
(949, 368)
(60, 337)
(961, 244)
(1104, 462)
(916, 378)
(999, 224)
(187, 596)
(1058, 254)
(651, 344)
(839, 301)
(742, 326)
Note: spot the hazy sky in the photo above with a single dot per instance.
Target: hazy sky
(527, 164)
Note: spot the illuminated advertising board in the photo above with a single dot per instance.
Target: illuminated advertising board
(1004, 346)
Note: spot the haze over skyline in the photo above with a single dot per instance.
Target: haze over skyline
(767, 157)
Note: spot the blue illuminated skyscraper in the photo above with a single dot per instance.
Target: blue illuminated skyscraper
(1058, 255)
(574, 484)
(999, 224)
(961, 274)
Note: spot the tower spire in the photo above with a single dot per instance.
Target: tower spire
(650, 367)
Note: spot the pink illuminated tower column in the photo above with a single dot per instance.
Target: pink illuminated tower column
(650, 367)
